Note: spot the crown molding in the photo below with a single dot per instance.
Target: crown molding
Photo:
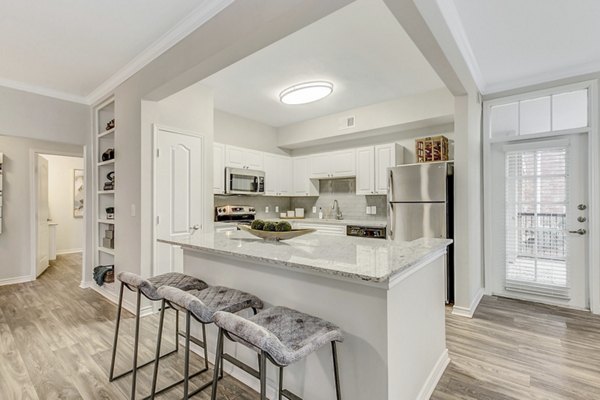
(204, 12)
(42, 91)
(578, 72)
(456, 27)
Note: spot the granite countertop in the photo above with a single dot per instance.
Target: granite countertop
(372, 260)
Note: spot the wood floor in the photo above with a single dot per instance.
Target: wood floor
(55, 342)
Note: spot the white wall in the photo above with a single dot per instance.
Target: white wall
(15, 241)
(239, 131)
(411, 112)
(69, 232)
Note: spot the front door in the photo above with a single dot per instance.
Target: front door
(545, 221)
(43, 215)
(178, 187)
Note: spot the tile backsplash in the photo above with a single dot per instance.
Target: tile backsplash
(344, 191)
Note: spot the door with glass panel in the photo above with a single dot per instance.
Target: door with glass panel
(545, 226)
(536, 195)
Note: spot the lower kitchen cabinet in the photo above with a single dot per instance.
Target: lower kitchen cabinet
(326, 229)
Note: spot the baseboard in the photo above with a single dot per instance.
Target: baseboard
(434, 376)
(468, 312)
(68, 251)
(18, 279)
(114, 298)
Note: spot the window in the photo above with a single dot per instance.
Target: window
(536, 190)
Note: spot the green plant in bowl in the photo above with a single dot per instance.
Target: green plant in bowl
(269, 226)
(283, 226)
(258, 224)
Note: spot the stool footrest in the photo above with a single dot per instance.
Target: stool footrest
(171, 386)
(193, 339)
(142, 366)
(289, 395)
(248, 369)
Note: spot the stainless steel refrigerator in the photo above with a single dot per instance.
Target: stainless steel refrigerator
(420, 204)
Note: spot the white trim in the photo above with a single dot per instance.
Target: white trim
(42, 91)
(528, 95)
(68, 251)
(434, 376)
(396, 279)
(203, 13)
(594, 201)
(539, 79)
(468, 312)
(457, 29)
(15, 280)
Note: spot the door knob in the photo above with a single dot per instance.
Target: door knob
(581, 219)
(581, 207)
(580, 231)
(195, 227)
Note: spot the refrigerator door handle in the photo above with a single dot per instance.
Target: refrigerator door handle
(391, 205)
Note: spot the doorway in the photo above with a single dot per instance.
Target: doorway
(178, 194)
(540, 196)
(58, 209)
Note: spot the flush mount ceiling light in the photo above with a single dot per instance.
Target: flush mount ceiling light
(306, 92)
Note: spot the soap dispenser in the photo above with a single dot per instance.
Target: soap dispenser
(320, 212)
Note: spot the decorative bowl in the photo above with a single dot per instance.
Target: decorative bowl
(271, 235)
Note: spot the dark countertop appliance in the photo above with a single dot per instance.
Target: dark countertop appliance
(366, 231)
(421, 204)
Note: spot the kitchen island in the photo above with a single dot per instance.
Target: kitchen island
(388, 297)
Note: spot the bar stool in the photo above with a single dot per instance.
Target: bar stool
(201, 305)
(147, 287)
(280, 334)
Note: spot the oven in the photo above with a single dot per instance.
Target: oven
(244, 181)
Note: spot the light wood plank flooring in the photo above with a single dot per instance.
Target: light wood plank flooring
(55, 342)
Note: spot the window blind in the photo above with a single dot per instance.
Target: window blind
(537, 183)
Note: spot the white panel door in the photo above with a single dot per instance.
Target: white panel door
(179, 183)
(343, 163)
(365, 176)
(285, 176)
(43, 215)
(272, 175)
(218, 168)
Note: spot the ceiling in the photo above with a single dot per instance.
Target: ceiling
(361, 49)
(67, 48)
(515, 43)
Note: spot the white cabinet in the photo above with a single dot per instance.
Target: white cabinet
(371, 167)
(302, 184)
(238, 157)
(218, 168)
(338, 164)
(278, 175)
(324, 229)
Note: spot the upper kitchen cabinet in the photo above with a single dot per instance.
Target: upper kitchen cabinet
(278, 173)
(372, 163)
(338, 164)
(237, 157)
(302, 184)
(218, 168)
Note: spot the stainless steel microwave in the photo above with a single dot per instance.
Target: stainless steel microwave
(244, 181)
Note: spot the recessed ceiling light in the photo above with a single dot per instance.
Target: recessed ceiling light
(306, 92)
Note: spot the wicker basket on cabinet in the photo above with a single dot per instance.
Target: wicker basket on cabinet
(433, 148)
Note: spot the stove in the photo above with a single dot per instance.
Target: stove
(235, 214)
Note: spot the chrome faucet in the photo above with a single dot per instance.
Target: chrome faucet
(336, 208)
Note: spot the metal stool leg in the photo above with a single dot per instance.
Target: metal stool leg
(116, 338)
(218, 363)
(280, 383)
(263, 375)
(186, 368)
(158, 343)
(336, 371)
(205, 346)
(176, 329)
(136, 344)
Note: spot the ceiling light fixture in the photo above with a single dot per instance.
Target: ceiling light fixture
(306, 92)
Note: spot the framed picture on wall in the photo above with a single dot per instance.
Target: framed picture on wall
(78, 193)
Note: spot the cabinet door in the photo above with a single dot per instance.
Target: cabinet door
(234, 157)
(343, 163)
(254, 159)
(285, 176)
(365, 176)
(320, 166)
(272, 175)
(218, 168)
(386, 156)
(302, 185)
